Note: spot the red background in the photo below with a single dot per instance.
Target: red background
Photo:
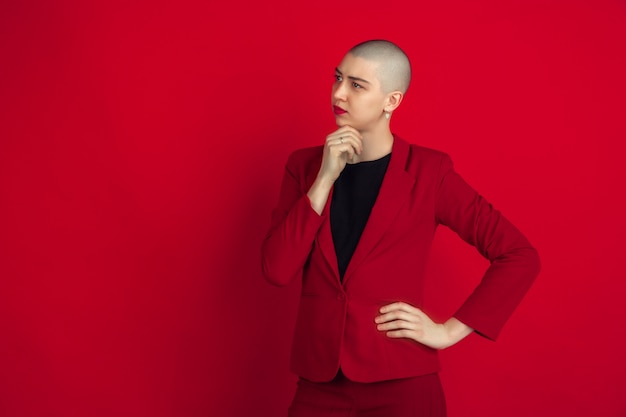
(141, 150)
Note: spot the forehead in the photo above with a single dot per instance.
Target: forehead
(359, 67)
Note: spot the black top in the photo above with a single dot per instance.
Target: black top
(354, 195)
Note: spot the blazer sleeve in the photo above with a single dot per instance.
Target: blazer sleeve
(293, 229)
(514, 262)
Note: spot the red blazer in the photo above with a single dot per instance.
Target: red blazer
(335, 325)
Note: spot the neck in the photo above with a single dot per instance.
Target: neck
(375, 145)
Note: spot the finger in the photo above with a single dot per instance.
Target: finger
(399, 305)
(404, 334)
(396, 315)
(346, 131)
(351, 136)
(340, 141)
(348, 128)
(338, 149)
(342, 145)
(356, 143)
(344, 137)
(397, 325)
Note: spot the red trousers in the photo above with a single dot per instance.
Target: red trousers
(420, 396)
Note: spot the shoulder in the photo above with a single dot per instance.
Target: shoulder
(422, 159)
(427, 154)
(304, 154)
(304, 160)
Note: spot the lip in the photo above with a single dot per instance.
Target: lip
(338, 110)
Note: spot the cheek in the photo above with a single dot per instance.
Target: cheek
(371, 106)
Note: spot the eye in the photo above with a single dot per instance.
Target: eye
(338, 77)
(357, 86)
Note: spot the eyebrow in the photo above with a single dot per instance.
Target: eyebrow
(353, 78)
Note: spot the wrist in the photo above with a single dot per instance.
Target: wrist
(323, 181)
(456, 330)
(318, 194)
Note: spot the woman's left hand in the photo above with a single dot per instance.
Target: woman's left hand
(402, 320)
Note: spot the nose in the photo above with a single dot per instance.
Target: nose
(339, 91)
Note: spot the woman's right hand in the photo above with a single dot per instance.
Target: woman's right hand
(341, 146)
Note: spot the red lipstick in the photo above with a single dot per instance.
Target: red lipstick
(338, 110)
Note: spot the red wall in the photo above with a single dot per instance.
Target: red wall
(141, 150)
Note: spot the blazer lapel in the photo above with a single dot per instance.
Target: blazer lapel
(394, 191)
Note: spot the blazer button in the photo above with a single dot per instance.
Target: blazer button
(341, 296)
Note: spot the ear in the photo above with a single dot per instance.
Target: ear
(393, 100)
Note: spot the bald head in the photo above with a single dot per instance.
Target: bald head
(393, 66)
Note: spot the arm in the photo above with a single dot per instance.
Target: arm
(341, 146)
(300, 212)
(514, 263)
(292, 231)
(514, 266)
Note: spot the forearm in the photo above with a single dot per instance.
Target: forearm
(288, 244)
(514, 263)
(501, 289)
(318, 194)
(287, 247)
(456, 330)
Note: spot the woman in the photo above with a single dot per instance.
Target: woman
(355, 220)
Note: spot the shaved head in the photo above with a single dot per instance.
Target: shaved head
(393, 66)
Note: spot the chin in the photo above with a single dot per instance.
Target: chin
(341, 122)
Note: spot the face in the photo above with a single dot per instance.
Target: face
(357, 95)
